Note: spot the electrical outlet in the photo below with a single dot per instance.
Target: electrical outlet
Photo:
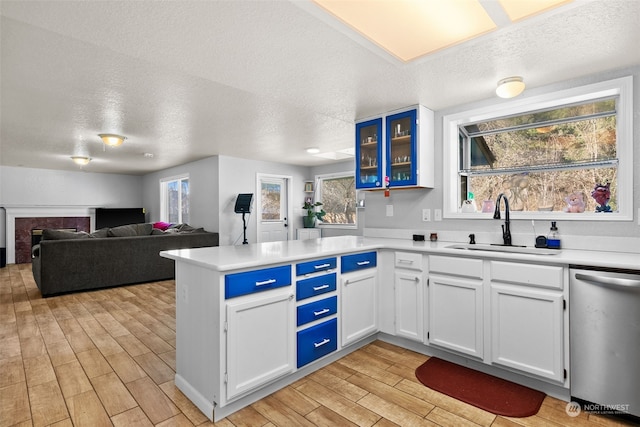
(437, 214)
(389, 210)
(426, 215)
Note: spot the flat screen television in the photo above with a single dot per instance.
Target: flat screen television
(106, 217)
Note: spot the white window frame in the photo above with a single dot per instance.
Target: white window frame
(621, 87)
(164, 202)
(318, 196)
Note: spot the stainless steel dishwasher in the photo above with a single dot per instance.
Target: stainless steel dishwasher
(604, 322)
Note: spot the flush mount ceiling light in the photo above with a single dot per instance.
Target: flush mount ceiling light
(112, 139)
(80, 160)
(510, 87)
(410, 29)
(313, 150)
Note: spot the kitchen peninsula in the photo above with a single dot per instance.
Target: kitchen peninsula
(251, 319)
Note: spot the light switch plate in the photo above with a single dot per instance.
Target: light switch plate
(389, 210)
(437, 214)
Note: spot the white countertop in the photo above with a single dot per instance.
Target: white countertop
(226, 258)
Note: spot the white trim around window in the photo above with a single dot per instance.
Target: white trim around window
(318, 197)
(621, 87)
(163, 194)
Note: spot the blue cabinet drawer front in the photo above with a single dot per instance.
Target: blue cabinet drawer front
(358, 261)
(317, 310)
(315, 286)
(317, 341)
(315, 266)
(256, 281)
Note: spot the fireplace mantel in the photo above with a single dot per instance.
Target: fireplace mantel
(40, 211)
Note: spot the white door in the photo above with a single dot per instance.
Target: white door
(260, 340)
(455, 314)
(409, 299)
(273, 207)
(519, 312)
(359, 314)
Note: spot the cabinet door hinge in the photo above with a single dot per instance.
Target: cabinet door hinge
(226, 378)
(427, 334)
(564, 304)
(565, 374)
(226, 326)
(428, 282)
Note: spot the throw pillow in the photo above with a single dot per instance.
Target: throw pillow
(53, 234)
(161, 225)
(131, 230)
(193, 230)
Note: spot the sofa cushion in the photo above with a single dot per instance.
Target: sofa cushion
(103, 232)
(53, 234)
(131, 230)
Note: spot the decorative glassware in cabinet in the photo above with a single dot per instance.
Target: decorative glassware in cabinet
(401, 148)
(368, 154)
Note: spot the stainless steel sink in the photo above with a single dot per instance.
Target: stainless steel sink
(506, 249)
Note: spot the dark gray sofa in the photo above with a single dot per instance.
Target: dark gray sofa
(77, 264)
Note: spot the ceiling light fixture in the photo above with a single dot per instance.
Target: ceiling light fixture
(313, 150)
(112, 139)
(80, 160)
(510, 87)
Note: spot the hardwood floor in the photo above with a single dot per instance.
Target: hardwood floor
(107, 358)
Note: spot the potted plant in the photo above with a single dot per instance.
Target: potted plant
(309, 220)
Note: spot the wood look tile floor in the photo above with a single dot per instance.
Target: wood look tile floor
(107, 358)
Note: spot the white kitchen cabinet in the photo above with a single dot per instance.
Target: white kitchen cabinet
(409, 295)
(358, 297)
(308, 233)
(527, 322)
(408, 311)
(260, 340)
(455, 305)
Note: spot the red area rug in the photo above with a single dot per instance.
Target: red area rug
(484, 391)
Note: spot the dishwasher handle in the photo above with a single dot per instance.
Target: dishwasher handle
(609, 281)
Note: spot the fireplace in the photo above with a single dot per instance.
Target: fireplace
(21, 220)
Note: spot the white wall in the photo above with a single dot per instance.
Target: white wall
(26, 186)
(203, 188)
(408, 204)
(239, 176)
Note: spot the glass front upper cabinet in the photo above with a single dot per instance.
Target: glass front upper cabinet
(401, 152)
(398, 145)
(369, 154)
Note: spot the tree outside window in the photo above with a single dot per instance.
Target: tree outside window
(174, 200)
(551, 153)
(337, 193)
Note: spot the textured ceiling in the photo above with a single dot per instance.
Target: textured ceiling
(253, 79)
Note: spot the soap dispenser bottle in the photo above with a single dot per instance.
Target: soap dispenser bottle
(553, 238)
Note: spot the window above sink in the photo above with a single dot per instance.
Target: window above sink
(547, 153)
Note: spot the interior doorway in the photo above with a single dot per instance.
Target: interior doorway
(273, 206)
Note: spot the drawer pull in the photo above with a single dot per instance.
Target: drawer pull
(321, 312)
(363, 262)
(321, 343)
(266, 282)
(318, 267)
(319, 288)
(405, 261)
